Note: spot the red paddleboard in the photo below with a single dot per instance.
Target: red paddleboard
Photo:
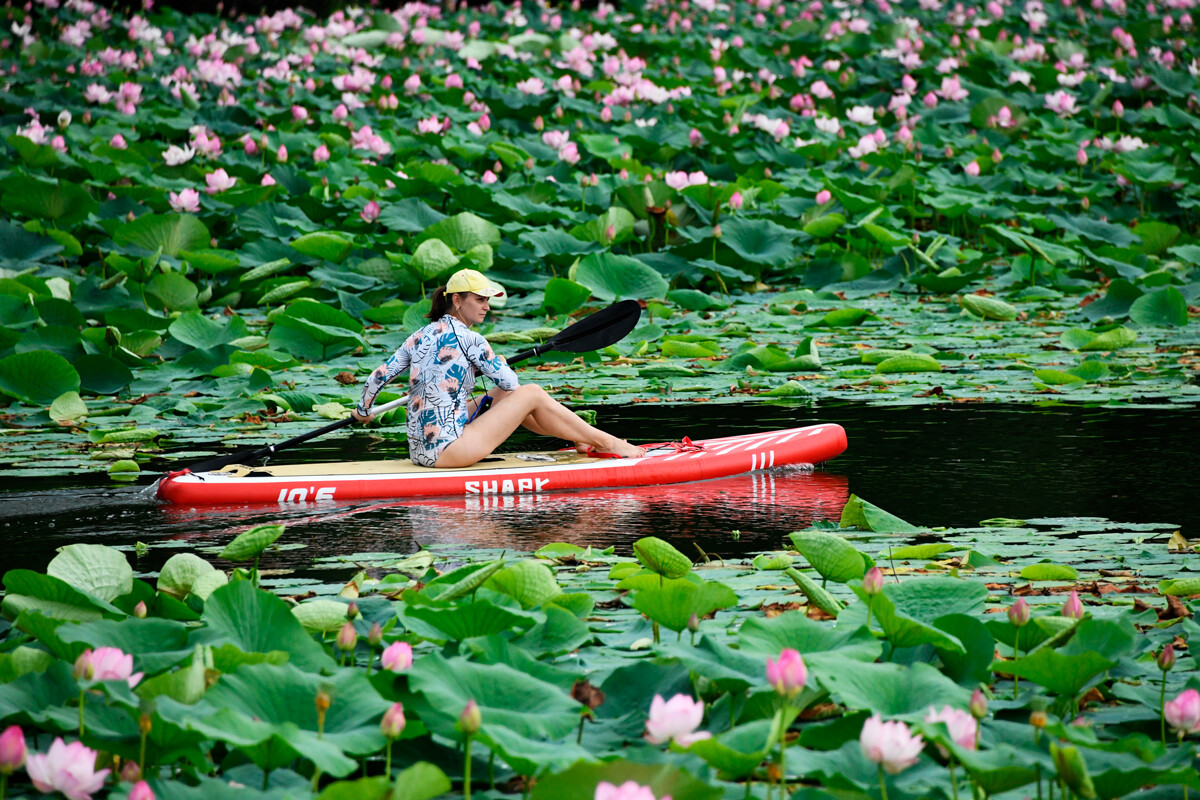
(505, 474)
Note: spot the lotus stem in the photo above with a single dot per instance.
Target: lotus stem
(3, 785)
(783, 781)
(316, 782)
(882, 783)
(953, 780)
(387, 760)
(1037, 770)
(1016, 655)
(467, 769)
(1162, 717)
(81, 699)
(870, 603)
(492, 770)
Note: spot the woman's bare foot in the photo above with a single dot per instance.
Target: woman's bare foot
(622, 448)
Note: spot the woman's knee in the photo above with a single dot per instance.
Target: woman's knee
(533, 392)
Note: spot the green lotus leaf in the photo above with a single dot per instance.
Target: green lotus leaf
(101, 374)
(172, 291)
(1114, 339)
(321, 615)
(661, 558)
(1162, 308)
(816, 594)
(457, 623)
(463, 231)
(461, 582)
(433, 258)
(564, 296)
(326, 245)
(988, 307)
(68, 408)
(26, 590)
(830, 555)
(824, 226)
(758, 241)
(19, 247)
(663, 780)
(168, 234)
(615, 277)
(38, 377)
(909, 362)
(1116, 302)
(64, 202)
(257, 621)
(673, 603)
(616, 219)
(180, 572)
(530, 583)
(96, 569)
(1049, 572)
(869, 517)
(249, 544)
(893, 690)
(155, 644)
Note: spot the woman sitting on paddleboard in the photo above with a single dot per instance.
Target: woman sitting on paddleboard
(444, 428)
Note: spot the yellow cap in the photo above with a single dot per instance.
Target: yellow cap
(470, 280)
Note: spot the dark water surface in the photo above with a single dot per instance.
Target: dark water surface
(933, 466)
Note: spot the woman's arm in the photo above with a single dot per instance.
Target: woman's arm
(480, 353)
(380, 377)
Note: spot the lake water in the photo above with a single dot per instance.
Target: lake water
(930, 465)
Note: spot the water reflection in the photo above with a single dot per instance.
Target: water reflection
(765, 504)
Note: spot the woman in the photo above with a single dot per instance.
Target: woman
(445, 428)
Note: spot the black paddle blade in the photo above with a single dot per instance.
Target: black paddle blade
(607, 326)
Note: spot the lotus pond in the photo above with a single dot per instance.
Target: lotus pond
(217, 225)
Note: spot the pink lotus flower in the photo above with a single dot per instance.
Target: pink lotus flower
(341, 112)
(369, 214)
(321, 154)
(863, 115)
(393, 722)
(1061, 103)
(1073, 608)
(788, 674)
(890, 744)
(961, 725)
(267, 180)
(823, 197)
(176, 155)
(430, 125)
(675, 720)
(736, 201)
(397, 657)
(219, 181)
(107, 664)
(1019, 613)
(626, 791)
(117, 142)
(281, 155)
(532, 86)
(299, 113)
(12, 750)
(972, 169)
(1183, 713)
(930, 100)
(1081, 157)
(820, 90)
(454, 81)
(681, 180)
(186, 200)
(141, 791)
(489, 177)
(570, 153)
(67, 768)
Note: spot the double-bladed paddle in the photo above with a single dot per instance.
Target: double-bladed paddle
(607, 326)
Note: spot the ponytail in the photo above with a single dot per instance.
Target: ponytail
(442, 304)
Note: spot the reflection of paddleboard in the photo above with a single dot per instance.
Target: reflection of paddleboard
(512, 474)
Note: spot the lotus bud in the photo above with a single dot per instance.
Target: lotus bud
(1086, 202)
(873, 581)
(1118, 110)
(823, 197)
(145, 724)
(610, 233)
(736, 201)
(84, 669)
(1072, 769)
(498, 167)
(1166, 658)
(281, 154)
(64, 119)
(766, 172)
(978, 705)
(470, 720)
(141, 790)
(130, 217)
(347, 637)
(375, 635)
(322, 701)
(788, 674)
(539, 124)
(558, 112)
(996, 156)
(1037, 719)
(139, 610)
(693, 623)
(1073, 608)
(1018, 613)
(393, 722)
(716, 231)
(12, 750)
(1081, 157)
(529, 163)
(87, 118)
(397, 657)
(351, 610)
(131, 772)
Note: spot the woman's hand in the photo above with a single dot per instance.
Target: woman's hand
(362, 419)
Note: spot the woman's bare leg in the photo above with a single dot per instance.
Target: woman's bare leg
(529, 400)
(529, 423)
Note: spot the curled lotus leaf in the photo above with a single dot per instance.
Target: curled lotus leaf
(96, 569)
(321, 615)
(830, 555)
(660, 557)
(181, 572)
(988, 307)
(249, 544)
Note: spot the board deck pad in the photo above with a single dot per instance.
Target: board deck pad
(505, 474)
